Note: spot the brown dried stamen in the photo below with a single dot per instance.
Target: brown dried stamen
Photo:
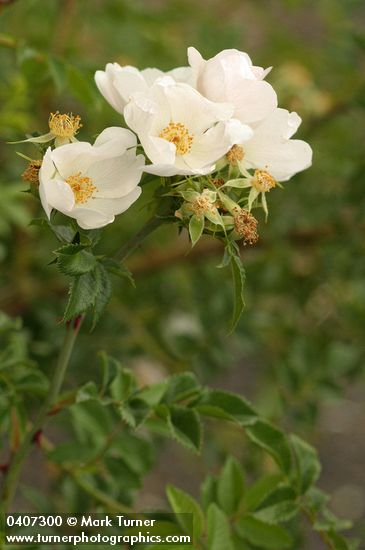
(31, 173)
(245, 225)
(235, 155)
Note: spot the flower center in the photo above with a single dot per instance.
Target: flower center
(235, 154)
(201, 204)
(178, 134)
(64, 126)
(82, 187)
(263, 181)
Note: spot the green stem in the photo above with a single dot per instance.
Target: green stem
(15, 468)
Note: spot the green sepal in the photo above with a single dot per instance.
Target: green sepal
(196, 227)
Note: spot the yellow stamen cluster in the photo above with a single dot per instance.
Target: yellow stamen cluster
(82, 187)
(235, 154)
(263, 181)
(178, 134)
(245, 225)
(31, 173)
(64, 126)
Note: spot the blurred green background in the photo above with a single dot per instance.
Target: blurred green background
(299, 350)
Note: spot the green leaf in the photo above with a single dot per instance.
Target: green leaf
(196, 227)
(208, 491)
(153, 394)
(73, 260)
(227, 406)
(82, 294)
(328, 521)
(103, 296)
(181, 387)
(89, 237)
(135, 451)
(338, 542)
(182, 503)
(185, 426)
(230, 486)
(134, 412)
(219, 533)
(273, 441)
(118, 269)
(279, 504)
(32, 382)
(258, 492)
(72, 452)
(127, 415)
(283, 492)
(64, 233)
(308, 467)
(91, 420)
(123, 385)
(86, 392)
(277, 513)
(263, 535)
(238, 275)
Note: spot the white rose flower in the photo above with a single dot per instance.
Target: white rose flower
(119, 84)
(274, 156)
(92, 183)
(181, 131)
(230, 76)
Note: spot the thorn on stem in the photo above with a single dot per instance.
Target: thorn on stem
(37, 438)
(4, 468)
(77, 322)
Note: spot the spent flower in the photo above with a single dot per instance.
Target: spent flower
(271, 154)
(62, 130)
(245, 225)
(31, 173)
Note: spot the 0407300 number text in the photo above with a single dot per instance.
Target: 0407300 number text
(29, 521)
